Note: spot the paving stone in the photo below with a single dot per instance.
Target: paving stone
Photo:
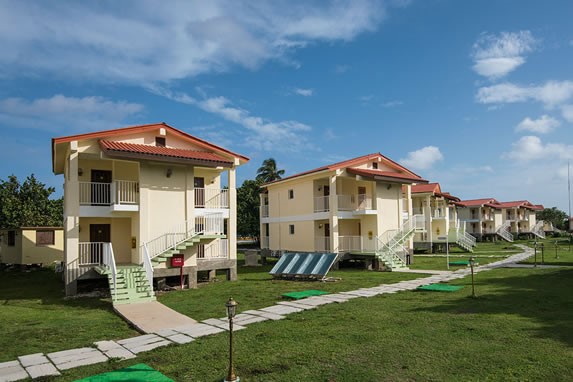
(69, 359)
(180, 338)
(138, 340)
(42, 370)
(12, 371)
(166, 332)
(281, 309)
(223, 324)
(297, 304)
(200, 330)
(144, 343)
(114, 350)
(270, 316)
(150, 346)
(252, 320)
(315, 301)
(33, 359)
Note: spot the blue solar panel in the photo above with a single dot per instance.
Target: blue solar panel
(303, 265)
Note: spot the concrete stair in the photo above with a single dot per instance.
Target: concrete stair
(131, 285)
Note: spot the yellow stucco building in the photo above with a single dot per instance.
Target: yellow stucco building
(138, 197)
(352, 207)
(32, 245)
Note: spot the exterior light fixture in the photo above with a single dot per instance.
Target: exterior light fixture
(472, 262)
(231, 306)
(80, 171)
(168, 173)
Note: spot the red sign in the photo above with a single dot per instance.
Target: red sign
(177, 261)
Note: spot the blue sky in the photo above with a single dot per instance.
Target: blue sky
(477, 95)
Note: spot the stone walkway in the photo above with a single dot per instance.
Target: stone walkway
(152, 316)
(38, 365)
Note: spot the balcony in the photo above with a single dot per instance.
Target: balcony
(94, 253)
(265, 211)
(355, 244)
(119, 195)
(355, 203)
(322, 244)
(219, 249)
(211, 198)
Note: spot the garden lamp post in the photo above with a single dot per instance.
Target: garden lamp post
(472, 262)
(231, 306)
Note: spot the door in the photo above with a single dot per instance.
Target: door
(100, 188)
(362, 198)
(199, 184)
(99, 233)
(327, 237)
(325, 201)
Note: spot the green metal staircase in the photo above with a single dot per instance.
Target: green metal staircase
(130, 284)
(391, 245)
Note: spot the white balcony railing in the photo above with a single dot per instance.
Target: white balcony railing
(264, 242)
(265, 211)
(321, 204)
(322, 244)
(211, 198)
(107, 194)
(218, 249)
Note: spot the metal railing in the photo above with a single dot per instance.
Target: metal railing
(537, 229)
(503, 231)
(211, 198)
(202, 225)
(265, 211)
(349, 243)
(106, 194)
(148, 266)
(98, 253)
(264, 242)
(322, 244)
(219, 249)
(321, 204)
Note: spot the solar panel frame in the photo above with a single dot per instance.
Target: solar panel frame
(303, 265)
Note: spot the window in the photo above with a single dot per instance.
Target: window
(375, 166)
(11, 238)
(45, 237)
(291, 194)
(159, 141)
(291, 229)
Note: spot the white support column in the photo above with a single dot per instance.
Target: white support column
(72, 219)
(190, 197)
(333, 218)
(232, 228)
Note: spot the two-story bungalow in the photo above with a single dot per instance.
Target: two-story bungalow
(441, 225)
(352, 207)
(488, 218)
(145, 202)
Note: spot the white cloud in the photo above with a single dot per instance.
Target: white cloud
(423, 158)
(340, 69)
(567, 112)
(261, 134)
(551, 94)
(136, 41)
(530, 148)
(496, 56)
(542, 125)
(304, 92)
(66, 113)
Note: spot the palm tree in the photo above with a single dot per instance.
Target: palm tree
(268, 171)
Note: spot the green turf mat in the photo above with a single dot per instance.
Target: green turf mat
(460, 262)
(304, 294)
(136, 373)
(440, 288)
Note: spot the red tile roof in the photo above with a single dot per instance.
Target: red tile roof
(517, 203)
(478, 202)
(141, 129)
(423, 188)
(347, 164)
(385, 174)
(122, 147)
(537, 207)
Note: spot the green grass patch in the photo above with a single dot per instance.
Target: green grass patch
(518, 329)
(555, 251)
(36, 317)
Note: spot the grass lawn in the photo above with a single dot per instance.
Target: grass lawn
(36, 318)
(519, 328)
(439, 262)
(556, 251)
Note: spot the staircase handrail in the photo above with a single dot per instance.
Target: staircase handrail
(148, 266)
(538, 229)
(503, 231)
(109, 262)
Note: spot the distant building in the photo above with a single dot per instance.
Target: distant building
(32, 245)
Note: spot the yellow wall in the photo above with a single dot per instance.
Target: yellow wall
(25, 250)
(302, 203)
(388, 202)
(120, 236)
